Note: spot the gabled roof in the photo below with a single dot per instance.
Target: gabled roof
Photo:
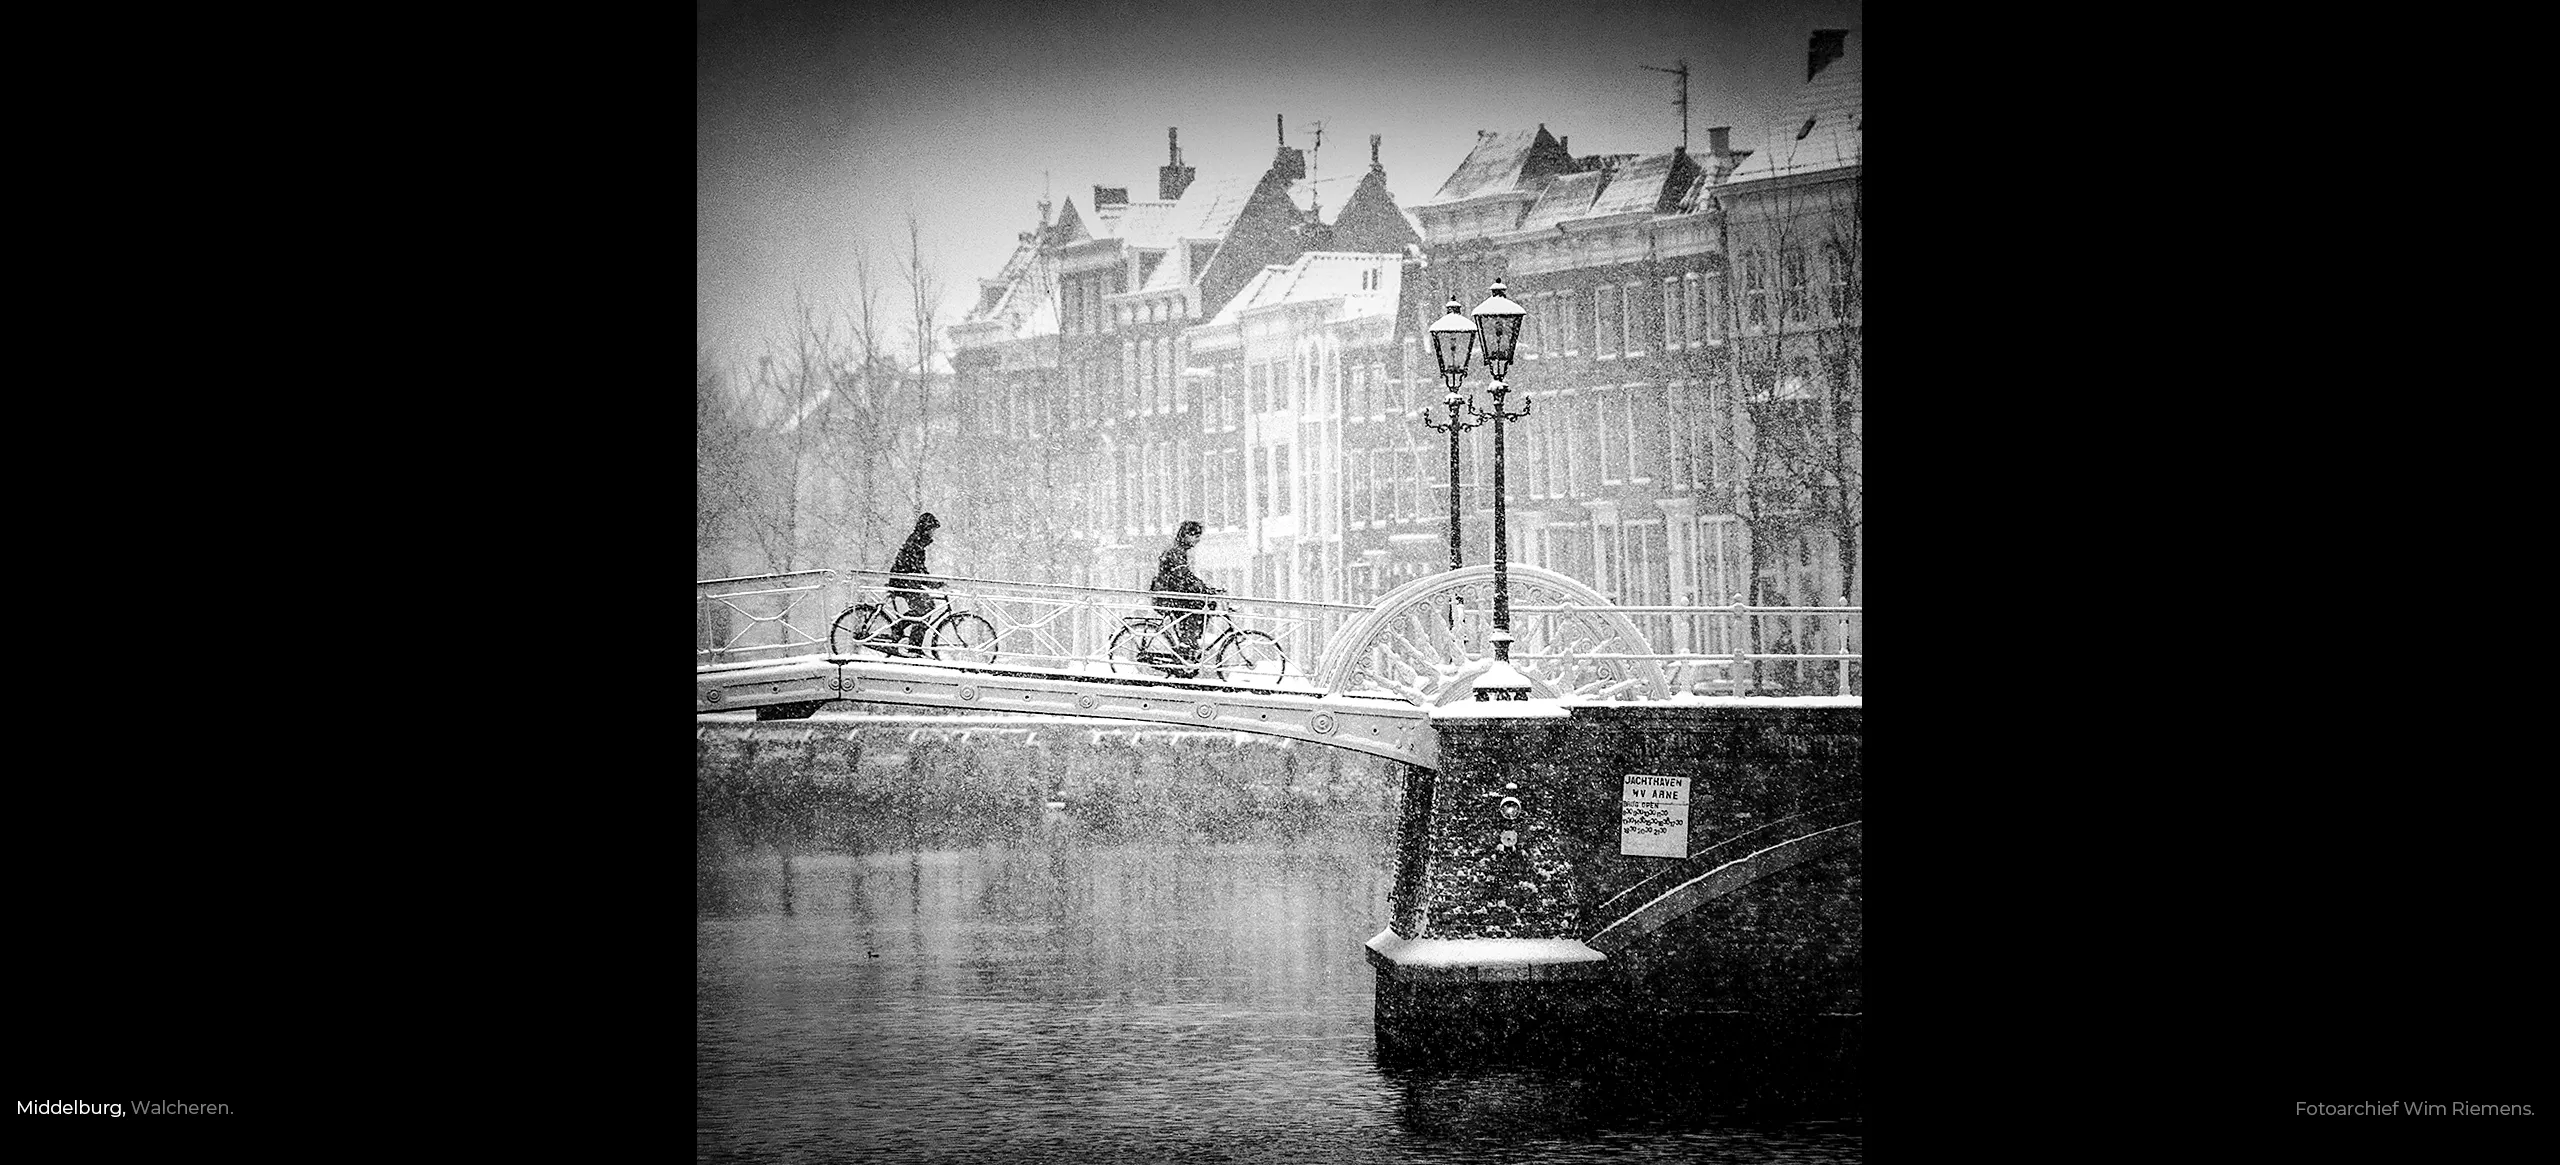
(1832, 144)
(1320, 276)
(1021, 295)
(1566, 197)
(1371, 221)
(1820, 129)
(1647, 184)
(1151, 225)
(1510, 161)
(1070, 226)
(1209, 207)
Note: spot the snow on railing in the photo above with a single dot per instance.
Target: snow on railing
(1732, 649)
(1798, 650)
(760, 617)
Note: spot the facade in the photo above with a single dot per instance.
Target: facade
(1691, 358)
(1080, 358)
(1691, 353)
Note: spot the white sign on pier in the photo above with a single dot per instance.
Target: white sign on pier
(1653, 816)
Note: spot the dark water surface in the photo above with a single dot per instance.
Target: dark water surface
(1051, 999)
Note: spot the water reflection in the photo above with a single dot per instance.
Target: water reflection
(1050, 998)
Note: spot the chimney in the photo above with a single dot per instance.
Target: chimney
(1373, 154)
(1722, 158)
(1828, 45)
(1287, 164)
(1109, 203)
(1173, 178)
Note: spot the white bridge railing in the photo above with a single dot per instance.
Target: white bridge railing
(1711, 650)
(1039, 626)
(1735, 649)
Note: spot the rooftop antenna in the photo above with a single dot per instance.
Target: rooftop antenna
(1316, 202)
(1683, 73)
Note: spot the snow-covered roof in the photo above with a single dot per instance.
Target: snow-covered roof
(1636, 185)
(1831, 144)
(1497, 164)
(1820, 128)
(1365, 284)
(1567, 197)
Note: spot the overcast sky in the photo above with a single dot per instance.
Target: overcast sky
(819, 126)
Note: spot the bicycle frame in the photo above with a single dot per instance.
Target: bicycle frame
(1216, 626)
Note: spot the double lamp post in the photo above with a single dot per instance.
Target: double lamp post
(1453, 341)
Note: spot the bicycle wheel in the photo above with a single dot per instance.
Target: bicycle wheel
(965, 638)
(1252, 659)
(862, 630)
(1141, 650)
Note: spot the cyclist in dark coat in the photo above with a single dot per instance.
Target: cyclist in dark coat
(1174, 574)
(908, 580)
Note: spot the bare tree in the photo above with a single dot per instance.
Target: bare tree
(1796, 376)
(725, 476)
(793, 381)
(862, 430)
(924, 302)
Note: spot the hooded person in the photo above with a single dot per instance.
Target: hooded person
(1174, 576)
(908, 581)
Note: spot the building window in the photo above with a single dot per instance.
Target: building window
(1606, 325)
(1755, 290)
(1280, 478)
(1796, 284)
(1415, 485)
(1569, 323)
(1631, 337)
(1648, 580)
(1609, 435)
(1650, 426)
(1234, 459)
(1261, 484)
(1672, 335)
(1212, 513)
(1841, 291)
(1587, 448)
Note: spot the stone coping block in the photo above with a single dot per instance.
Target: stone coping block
(1483, 960)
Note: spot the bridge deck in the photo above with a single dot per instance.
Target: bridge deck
(1378, 725)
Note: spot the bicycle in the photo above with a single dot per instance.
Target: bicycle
(869, 630)
(1145, 646)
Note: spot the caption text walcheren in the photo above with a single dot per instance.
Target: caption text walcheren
(118, 1107)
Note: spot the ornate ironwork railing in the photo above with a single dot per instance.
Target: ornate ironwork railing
(1735, 649)
(755, 618)
(1069, 629)
(1593, 649)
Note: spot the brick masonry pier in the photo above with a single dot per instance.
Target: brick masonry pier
(1514, 908)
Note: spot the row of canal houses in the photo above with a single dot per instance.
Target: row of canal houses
(1226, 352)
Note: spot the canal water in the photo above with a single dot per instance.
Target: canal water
(1064, 994)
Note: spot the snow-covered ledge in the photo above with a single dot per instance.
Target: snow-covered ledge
(1483, 960)
(1512, 694)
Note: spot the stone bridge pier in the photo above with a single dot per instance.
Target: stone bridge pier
(1525, 903)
